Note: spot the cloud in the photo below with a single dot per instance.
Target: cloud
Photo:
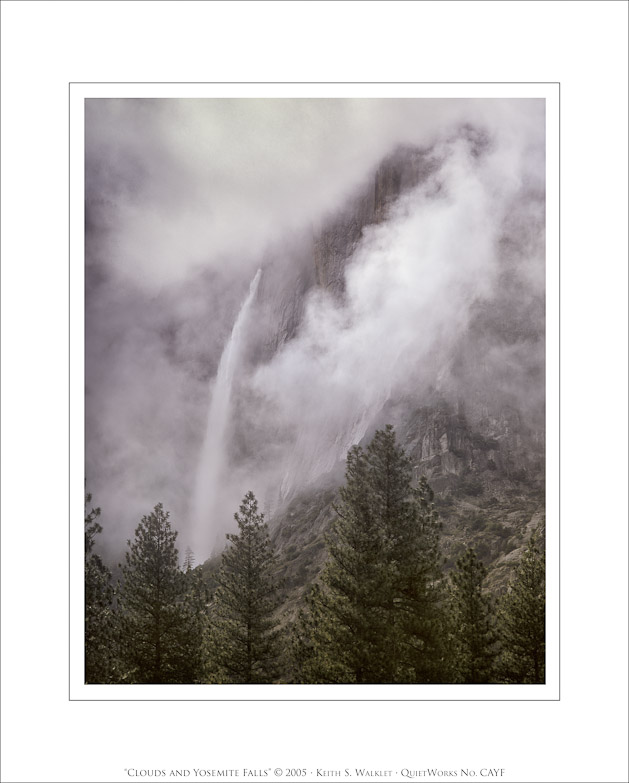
(185, 199)
(190, 184)
(410, 286)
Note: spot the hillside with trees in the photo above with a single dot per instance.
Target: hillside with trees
(384, 607)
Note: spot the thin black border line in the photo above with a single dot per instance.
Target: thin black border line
(558, 699)
(558, 379)
(70, 392)
(253, 82)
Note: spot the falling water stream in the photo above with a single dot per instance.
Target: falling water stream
(212, 460)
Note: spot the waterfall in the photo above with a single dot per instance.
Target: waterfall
(212, 460)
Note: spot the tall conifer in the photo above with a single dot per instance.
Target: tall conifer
(244, 640)
(523, 618)
(473, 621)
(99, 617)
(375, 617)
(161, 611)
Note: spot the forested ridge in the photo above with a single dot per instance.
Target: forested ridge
(384, 609)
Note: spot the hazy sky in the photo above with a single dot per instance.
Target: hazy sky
(186, 199)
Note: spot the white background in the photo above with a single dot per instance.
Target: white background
(44, 46)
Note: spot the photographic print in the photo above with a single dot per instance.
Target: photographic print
(315, 391)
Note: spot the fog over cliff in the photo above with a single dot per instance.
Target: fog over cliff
(398, 241)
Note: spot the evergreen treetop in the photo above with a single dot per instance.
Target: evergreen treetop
(244, 638)
(162, 618)
(472, 621)
(375, 617)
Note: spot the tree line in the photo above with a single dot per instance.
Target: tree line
(381, 611)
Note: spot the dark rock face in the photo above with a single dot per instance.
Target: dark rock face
(334, 242)
(287, 278)
(405, 169)
(445, 444)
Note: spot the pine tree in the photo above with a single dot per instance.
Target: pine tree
(356, 603)
(473, 622)
(421, 601)
(375, 617)
(188, 562)
(99, 617)
(245, 640)
(162, 621)
(523, 618)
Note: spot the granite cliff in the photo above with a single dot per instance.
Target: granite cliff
(474, 425)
